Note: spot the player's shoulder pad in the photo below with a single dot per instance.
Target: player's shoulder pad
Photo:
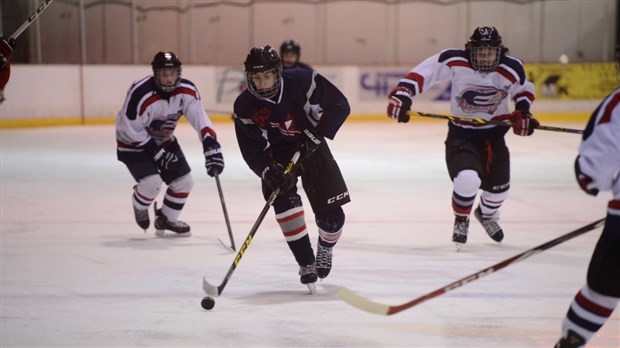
(298, 79)
(139, 89)
(452, 54)
(243, 106)
(514, 66)
(454, 58)
(187, 87)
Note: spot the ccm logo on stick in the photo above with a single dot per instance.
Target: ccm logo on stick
(338, 197)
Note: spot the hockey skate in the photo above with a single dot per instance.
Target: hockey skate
(490, 225)
(323, 261)
(162, 223)
(459, 234)
(142, 218)
(308, 276)
(572, 340)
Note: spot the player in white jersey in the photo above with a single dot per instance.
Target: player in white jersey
(483, 79)
(597, 168)
(147, 145)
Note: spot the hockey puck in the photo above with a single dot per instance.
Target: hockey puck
(207, 303)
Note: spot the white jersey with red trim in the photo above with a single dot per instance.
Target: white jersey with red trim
(473, 94)
(147, 115)
(599, 152)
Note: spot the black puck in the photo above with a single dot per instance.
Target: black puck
(207, 303)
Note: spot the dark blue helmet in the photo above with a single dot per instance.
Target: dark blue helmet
(166, 60)
(483, 42)
(263, 59)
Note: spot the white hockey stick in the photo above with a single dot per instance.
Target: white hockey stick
(31, 19)
(367, 305)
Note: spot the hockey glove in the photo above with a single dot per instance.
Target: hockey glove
(275, 177)
(584, 180)
(6, 51)
(214, 160)
(523, 123)
(399, 103)
(310, 141)
(165, 160)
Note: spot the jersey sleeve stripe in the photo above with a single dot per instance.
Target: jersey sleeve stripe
(613, 103)
(185, 90)
(461, 63)
(414, 80)
(307, 106)
(507, 74)
(137, 93)
(150, 100)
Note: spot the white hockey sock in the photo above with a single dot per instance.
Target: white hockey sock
(491, 202)
(292, 223)
(588, 312)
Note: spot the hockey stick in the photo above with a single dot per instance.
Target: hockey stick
(213, 290)
(230, 235)
(367, 305)
(31, 19)
(483, 121)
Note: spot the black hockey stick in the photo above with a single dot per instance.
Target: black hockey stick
(367, 305)
(483, 121)
(213, 290)
(31, 19)
(230, 235)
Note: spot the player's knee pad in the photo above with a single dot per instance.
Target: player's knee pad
(466, 183)
(286, 202)
(330, 220)
(149, 186)
(182, 184)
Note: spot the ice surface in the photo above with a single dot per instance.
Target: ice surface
(78, 271)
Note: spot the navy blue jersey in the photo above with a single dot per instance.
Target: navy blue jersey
(269, 131)
(298, 65)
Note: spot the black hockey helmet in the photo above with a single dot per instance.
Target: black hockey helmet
(263, 59)
(483, 42)
(166, 60)
(290, 46)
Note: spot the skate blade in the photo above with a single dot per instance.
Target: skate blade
(459, 246)
(311, 288)
(171, 235)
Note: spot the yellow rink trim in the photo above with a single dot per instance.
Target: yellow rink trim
(544, 118)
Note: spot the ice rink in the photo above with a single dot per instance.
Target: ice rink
(78, 272)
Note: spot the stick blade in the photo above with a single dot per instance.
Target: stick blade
(363, 303)
(209, 289)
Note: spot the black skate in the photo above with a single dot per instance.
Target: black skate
(162, 223)
(490, 225)
(142, 218)
(323, 261)
(308, 276)
(572, 340)
(459, 234)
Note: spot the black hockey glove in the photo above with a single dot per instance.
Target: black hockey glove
(214, 160)
(275, 177)
(399, 103)
(584, 180)
(310, 141)
(166, 160)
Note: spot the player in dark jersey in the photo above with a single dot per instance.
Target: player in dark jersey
(147, 146)
(6, 52)
(483, 78)
(279, 113)
(290, 53)
(597, 168)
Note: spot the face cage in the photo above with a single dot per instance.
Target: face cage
(167, 89)
(486, 66)
(267, 94)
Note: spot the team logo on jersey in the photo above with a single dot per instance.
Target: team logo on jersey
(162, 127)
(481, 99)
(261, 117)
(286, 127)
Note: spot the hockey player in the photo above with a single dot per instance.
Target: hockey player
(147, 145)
(6, 52)
(279, 113)
(290, 52)
(483, 79)
(597, 168)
